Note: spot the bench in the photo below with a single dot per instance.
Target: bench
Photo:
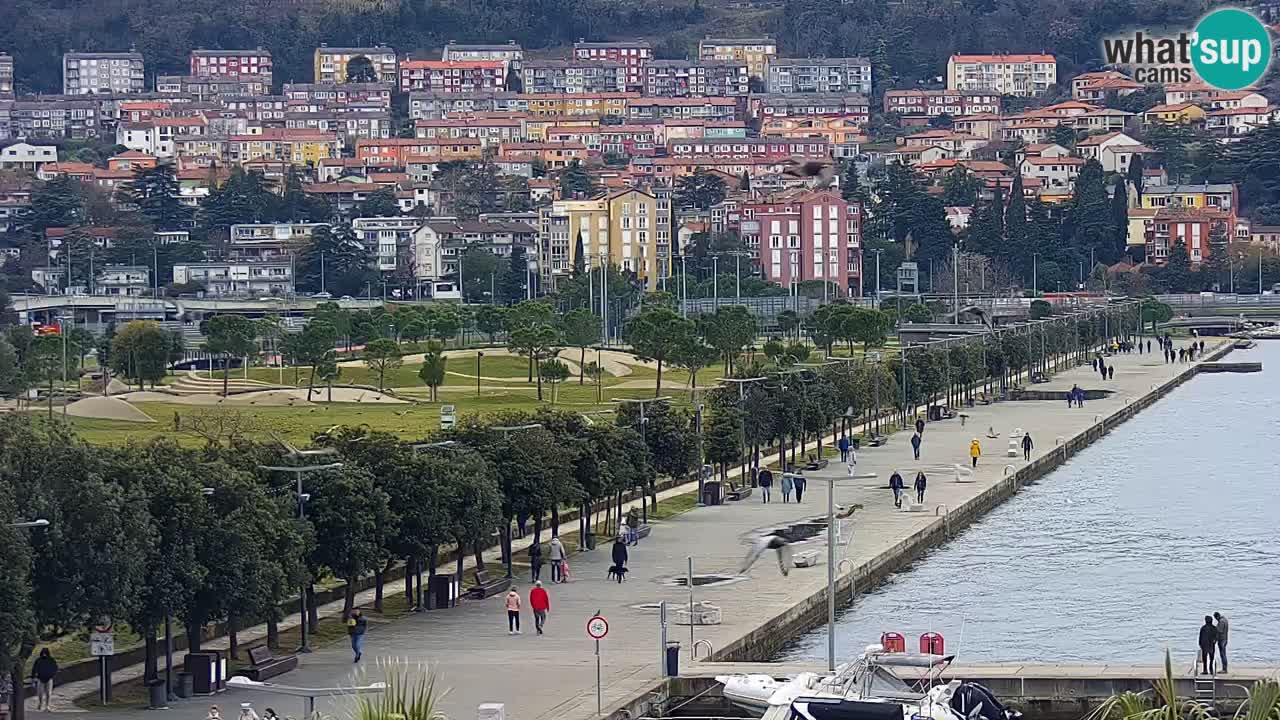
(816, 464)
(738, 493)
(877, 440)
(264, 665)
(488, 587)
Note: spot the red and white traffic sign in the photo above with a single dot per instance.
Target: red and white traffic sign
(597, 627)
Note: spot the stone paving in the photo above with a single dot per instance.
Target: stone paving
(554, 675)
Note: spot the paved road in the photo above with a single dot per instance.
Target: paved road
(554, 675)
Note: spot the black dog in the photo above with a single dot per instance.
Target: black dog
(617, 571)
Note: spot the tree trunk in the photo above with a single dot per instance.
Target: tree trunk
(348, 597)
(657, 389)
(17, 701)
(226, 373)
(460, 553)
(537, 527)
(379, 577)
(477, 551)
(582, 366)
(313, 612)
(233, 637)
(555, 521)
(410, 570)
(273, 632)
(150, 651)
(505, 536)
(194, 637)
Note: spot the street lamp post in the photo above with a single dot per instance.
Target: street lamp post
(479, 354)
(298, 471)
(1035, 276)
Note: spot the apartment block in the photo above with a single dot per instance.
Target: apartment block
(238, 279)
(50, 118)
(806, 235)
(855, 107)
(633, 54)
(297, 147)
(269, 242)
(629, 228)
(1029, 75)
(6, 77)
(330, 63)
(452, 76)
(924, 104)
(232, 63)
(696, 78)
(113, 73)
(510, 55)
(755, 52)
(376, 94)
(390, 238)
(574, 76)
(655, 108)
(819, 75)
(212, 88)
(439, 105)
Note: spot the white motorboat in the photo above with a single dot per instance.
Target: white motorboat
(878, 685)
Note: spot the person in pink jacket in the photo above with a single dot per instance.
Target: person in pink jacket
(513, 612)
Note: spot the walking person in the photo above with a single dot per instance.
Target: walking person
(535, 561)
(556, 554)
(540, 604)
(1208, 642)
(896, 485)
(787, 486)
(43, 671)
(921, 483)
(844, 448)
(765, 480)
(919, 426)
(513, 611)
(1111, 372)
(1026, 447)
(915, 445)
(798, 482)
(1222, 628)
(975, 452)
(356, 628)
(633, 526)
(619, 555)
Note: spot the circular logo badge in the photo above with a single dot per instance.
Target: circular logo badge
(1232, 49)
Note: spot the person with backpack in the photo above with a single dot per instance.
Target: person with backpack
(356, 628)
(556, 556)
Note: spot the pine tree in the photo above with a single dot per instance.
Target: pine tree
(579, 255)
(156, 195)
(1119, 222)
(1137, 167)
(1015, 225)
(851, 188)
(1090, 217)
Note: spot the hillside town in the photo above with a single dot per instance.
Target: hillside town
(607, 153)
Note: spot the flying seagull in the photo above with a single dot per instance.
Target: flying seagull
(772, 541)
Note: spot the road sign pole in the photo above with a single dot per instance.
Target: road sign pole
(597, 628)
(599, 690)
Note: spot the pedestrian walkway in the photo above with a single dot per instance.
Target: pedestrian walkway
(554, 675)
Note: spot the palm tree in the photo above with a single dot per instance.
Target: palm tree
(433, 366)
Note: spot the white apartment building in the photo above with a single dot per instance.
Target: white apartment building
(819, 75)
(238, 279)
(1020, 75)
(511, 54)
(391, 239)
(105, 73)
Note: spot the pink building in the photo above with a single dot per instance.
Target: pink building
(806, 235)
(232, 63)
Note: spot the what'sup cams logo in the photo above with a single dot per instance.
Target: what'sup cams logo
(1229, 49)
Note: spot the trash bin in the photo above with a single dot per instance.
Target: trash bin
(711, 494)
(673, 658)
(156, 695)
(857, 443)
(185, 685)
(441, 591)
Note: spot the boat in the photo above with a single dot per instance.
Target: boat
(879, 685)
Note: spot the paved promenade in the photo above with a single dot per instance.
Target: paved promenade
(554, 675)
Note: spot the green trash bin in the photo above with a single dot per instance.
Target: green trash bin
(184, 685)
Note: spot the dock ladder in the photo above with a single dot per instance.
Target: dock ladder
(1206, 690)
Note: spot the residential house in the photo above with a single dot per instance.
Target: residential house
(856, 108)
(6, 76)
(1198, 229)
(983, 125)
(1221, 196)
(958, 144)
(24, 156)
(1233, 123)
(212, 88)
(238, 279)
(844, 135)
(509, 54)
(696, 78)
(269, 242)
(122, 280)
(330, 64)
(442, 105)
(377, 94)
(628, 140)
(50, 118)
(629, 228)
(110, 73)
(488, 128)
(1025, 75)
(1096, 87)
(73, 170)
(553, 155)
(1052, 172)
(343, 197)
(806, 235)
(390, 239)
(577, 104)
(917, 106)
(1265, 236)
(1102, 120)
(452, 76)
(633, 54)
(1114, 151)
(1177, 114)
(574, 76)
(132, 160)
(818, 75)
(655, 108)
(299, 147)
(233, 63)
(755, 52)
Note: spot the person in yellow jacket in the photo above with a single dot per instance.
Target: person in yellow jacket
(975, 451)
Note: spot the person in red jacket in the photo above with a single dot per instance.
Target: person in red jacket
(540, 603)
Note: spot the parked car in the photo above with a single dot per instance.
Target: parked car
(321, 296)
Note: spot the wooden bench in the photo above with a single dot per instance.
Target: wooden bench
(816, 464)
(264, 665)
(877, 440)
(738, 493)
(488, 587)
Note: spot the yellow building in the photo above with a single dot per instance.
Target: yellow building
(1181, 113)
(755, 53)
(577, 104)
(299, 147)
(1221, 196)
(629, 229)
(330, 63)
